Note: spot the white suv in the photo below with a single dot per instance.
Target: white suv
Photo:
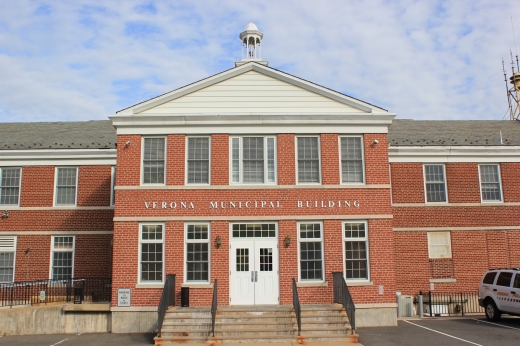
(499, 292)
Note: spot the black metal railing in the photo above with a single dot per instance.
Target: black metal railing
(77, 290)
(342, 296)
(167, 300)
(297, 306)
(451, 303)
(214, 308)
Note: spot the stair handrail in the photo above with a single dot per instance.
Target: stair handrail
(214, 308)
(296, 305)
(342, 296)
(167, 300)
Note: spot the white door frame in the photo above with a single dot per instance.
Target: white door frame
(254, 269)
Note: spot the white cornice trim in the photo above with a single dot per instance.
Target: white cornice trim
(446, 154)
(55, 232)
(430, 205)
(252, 187)
(58, 208)
(253, 218)
(58, 157)
(252, 123)
(444, 229)
(252, 66)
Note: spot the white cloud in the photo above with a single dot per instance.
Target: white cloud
(425, 59)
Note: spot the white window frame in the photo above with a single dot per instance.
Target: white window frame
(296, 160)
(430, 245)
(19, 185)
(241, 159)
(56, 186)
(426, 183)
(113, 185)
(365, 239)
(53, 250)
(313, 240)
(5, 248)
(202, 241)
(186, 161)
(165, 160)
(482, 200)
(341, 161)
(153, 241)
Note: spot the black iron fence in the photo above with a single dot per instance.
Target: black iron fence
(342, 296)
(214, 308)
(167, 299)
(450, 303)
(77, 290)
(296, 305)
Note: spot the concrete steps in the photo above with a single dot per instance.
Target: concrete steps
(255, 324)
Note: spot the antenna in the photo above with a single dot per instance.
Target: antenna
(513, 97)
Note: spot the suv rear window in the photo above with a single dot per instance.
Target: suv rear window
(504, 279)
(489, 278)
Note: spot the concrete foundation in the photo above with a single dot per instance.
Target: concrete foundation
(370, 316)
(52, 319)
(134, 321)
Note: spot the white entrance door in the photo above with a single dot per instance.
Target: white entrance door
(254, 272)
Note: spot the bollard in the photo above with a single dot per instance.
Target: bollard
(420, 306)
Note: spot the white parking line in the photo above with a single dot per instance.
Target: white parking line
(495, 324)
(451, 336)
(59, 342)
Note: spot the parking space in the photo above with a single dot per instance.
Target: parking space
(445, 331)
(79, 340)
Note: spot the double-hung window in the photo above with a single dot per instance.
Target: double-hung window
(253, 160)
(113, 190)
(197, 252)
(308, 155)
(66, 185)
(10, 186)
(62, 259)
(435, 183)
(198, 166)
(7, 258)
(355, 239)
(439, 245)
(154, 154)
(151, 253)
(310, 237)
(352, 160)
(490, 189)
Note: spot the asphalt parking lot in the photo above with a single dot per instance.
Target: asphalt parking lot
(443, 331)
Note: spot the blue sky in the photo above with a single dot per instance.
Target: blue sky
(84, 60)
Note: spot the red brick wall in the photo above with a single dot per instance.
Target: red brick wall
(93, 252)
(128, 160)
(37, 186)
(176, 152)
(220, 159)
(330, 169)
(463, 183)
(510, 174)
(376, 158)
(407, 182)
(286, 159)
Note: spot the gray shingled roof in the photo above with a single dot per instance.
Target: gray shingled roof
(453, 132)
(100, 134)
(94, 134)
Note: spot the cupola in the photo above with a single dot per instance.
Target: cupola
(251, 39)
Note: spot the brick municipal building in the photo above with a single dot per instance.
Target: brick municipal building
(254, 177)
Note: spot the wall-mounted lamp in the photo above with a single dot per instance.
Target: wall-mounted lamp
(6, 213)
(287, 241)
(376, 141)
(218, 241)
(127, 143)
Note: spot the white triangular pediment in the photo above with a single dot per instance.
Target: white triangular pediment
(252, 89)
(252, 92)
